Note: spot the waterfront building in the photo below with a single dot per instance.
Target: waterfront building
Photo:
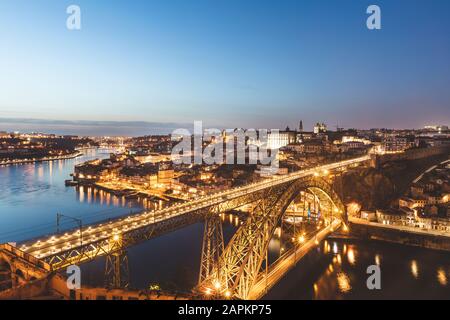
(413, 203)
(397, 144)
(392, 217)
(166, 178)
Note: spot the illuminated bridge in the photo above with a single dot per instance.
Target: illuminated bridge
(230, 271)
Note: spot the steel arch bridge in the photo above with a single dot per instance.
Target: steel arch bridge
(233, 270)
(234, 267)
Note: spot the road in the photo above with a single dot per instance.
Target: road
(429, 170)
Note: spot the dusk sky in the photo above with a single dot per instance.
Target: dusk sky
(230, 63)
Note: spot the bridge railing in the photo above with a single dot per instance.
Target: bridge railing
(25, 256)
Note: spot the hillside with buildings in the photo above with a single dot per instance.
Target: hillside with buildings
(381, 187)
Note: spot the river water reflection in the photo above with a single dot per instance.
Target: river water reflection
(32, 194)
(338, 270)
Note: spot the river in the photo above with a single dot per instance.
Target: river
(32, 194)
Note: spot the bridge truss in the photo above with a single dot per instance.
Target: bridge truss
(234, 267)
(234, 273)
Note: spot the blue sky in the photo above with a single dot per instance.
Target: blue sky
(247, 63)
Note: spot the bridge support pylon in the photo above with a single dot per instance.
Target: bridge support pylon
(117, 273)
(212, 249)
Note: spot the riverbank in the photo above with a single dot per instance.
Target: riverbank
(408, 236)
(73, 155)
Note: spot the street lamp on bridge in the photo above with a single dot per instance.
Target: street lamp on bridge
(59, 216)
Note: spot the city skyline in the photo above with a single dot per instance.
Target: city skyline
(231, 64)
(142, 128)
